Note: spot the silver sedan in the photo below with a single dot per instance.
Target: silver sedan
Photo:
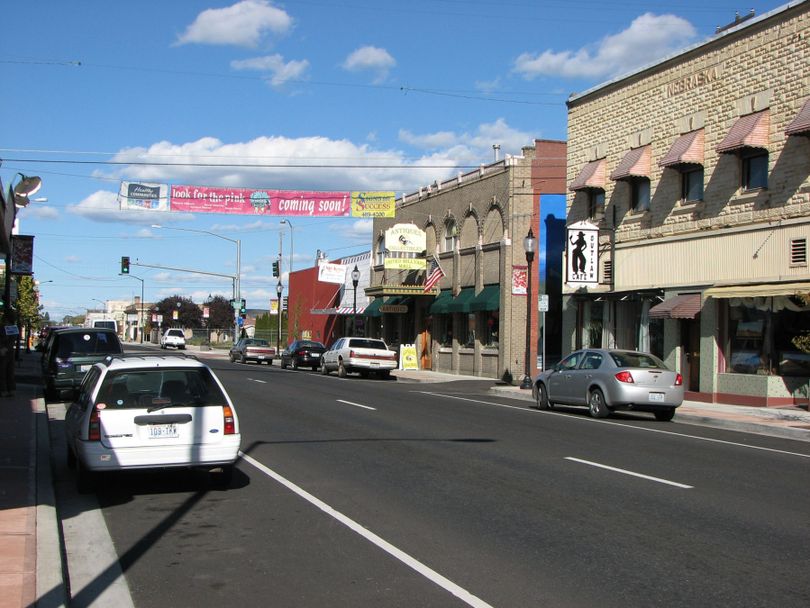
(608, 380)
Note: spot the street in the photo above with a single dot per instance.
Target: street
(361, 492)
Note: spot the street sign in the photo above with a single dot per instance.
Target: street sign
(542, 303)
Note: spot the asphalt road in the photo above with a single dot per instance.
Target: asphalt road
(386, 493)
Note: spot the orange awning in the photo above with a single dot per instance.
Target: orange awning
(687, 149)
(801, 124)
(591, 176)
(750, 131)
(636, 163)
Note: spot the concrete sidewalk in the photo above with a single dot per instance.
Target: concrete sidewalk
(31, 567)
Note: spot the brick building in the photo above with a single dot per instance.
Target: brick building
(474, 321)
(694, 173)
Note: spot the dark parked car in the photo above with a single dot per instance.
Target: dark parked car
(608, 380)
(302, 353)
(252, 349)
(69, 353)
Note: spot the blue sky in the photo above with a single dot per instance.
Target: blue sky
(97, 92)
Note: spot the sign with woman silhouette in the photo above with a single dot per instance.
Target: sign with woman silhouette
(582, 255)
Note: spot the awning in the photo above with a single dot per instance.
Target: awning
(373, 309)
(442, 301)
(683, 306)
(636, 163)
(591, 176)
(758, 290)
(488, 299)
(687, 149)
(461, 303)
(750, 131)
(801, 124)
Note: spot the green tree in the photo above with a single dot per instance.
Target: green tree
(28, 308)
(221, 314)
(188, 313)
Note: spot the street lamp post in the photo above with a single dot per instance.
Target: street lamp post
(237, 279)
(528, 246)
(355, 280)
(289, 223)
(279, 288)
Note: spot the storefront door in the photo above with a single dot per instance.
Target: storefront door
(425, 346)
(690, 342)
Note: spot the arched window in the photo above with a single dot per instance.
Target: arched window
(379, 258)
(450, 235)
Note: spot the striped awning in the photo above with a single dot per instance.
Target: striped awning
(750, 131)
(687, 150)
(342, 310)
(683, 306)
(801, 124)
(636, 163)
(592, 176)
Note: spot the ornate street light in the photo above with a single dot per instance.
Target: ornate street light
(529, 243)
(355, 281)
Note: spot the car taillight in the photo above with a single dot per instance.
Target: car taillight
(352, 354)
(94, 432)
(625, 376)
(230, 424)
(678, 379)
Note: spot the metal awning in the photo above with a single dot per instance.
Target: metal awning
(687, 150)
(683, 306)
(801, 124)
(440, 304)
(592, 176)
(758, 290)
(750, 131)
(461, 303)
(636, 163)
(488, 299)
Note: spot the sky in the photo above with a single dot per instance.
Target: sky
(357, 95)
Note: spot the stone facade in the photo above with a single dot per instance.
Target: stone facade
(750, 81)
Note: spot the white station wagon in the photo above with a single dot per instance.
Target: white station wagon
(144, 411)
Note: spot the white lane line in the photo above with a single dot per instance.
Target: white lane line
(259, 381)
(357, 405)
(586, 419)
(433, 576)
(631, 473)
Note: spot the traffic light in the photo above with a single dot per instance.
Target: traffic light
(243, 308)
(276, 271)
(124, 265)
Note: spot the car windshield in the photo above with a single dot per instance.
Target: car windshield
(86, 343)
(639, 360)
(159, 388)
(366, 343)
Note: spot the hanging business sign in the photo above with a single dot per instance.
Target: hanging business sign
(405, 263)
(582, 255)
(332, 273)
(373, 204)
(144, 197)
(405, 238)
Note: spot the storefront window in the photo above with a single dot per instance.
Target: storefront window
(444, 330)
(491, 328)
(765, 335)
(467, 333)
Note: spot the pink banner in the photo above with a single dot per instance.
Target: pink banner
(245, 201)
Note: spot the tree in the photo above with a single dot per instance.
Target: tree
(189, 315)
(802, 340)
(220, 313)
(28, 307)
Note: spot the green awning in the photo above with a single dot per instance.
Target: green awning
(373, 309)
(461, 303)
(442, 301)
(488, 299)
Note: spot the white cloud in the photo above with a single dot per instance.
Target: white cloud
(472, 147)
(649, 37)
(359, 231)
(281, 71)
(40, 212)
(428, 141)
(103, 206)
(245, 24)
(370, 58)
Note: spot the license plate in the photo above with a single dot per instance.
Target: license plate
(84, 368)
(656, 396)
(375, 364)
(162, 431)
(262, 357)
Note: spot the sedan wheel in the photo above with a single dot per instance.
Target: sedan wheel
(596, 404)
(542, 397)
(341, 370)
(324, 370)
(283, 363)
(665, 415)
(243, 359)
(295, 363)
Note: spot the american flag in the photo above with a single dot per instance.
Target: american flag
(434, 274)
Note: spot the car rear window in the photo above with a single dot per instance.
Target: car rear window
(306, 344)
(640, 360)
(256, 343)
(87, 343)
(364, 343)
(163, 387)
(176, 333)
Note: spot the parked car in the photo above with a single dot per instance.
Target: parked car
(69, 353)
(151, 411)
(361, 355)
(252, 349)
(609, 380)
(174, 338)
(302, 353)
